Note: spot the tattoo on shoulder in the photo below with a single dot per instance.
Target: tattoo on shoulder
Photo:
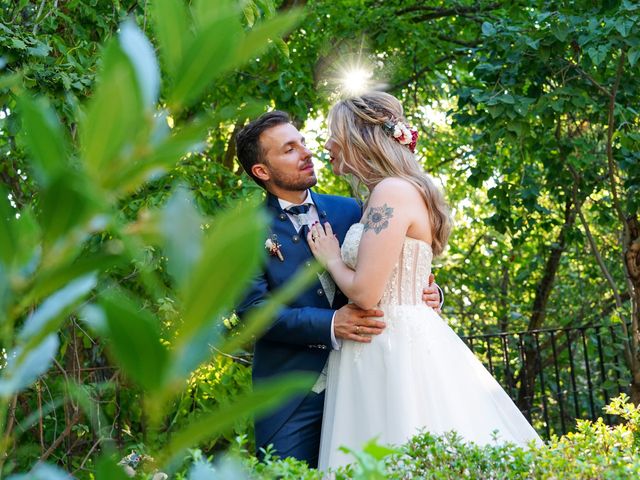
(378, 218)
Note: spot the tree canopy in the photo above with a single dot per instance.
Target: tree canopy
(120, 188)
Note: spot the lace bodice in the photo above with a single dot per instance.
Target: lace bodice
(409, 275)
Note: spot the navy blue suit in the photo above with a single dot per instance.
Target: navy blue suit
(299, 338)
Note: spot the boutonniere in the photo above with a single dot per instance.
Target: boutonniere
(273, 247)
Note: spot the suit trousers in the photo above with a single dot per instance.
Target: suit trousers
(299, 436)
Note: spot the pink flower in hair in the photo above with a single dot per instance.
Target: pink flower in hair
(403, 134)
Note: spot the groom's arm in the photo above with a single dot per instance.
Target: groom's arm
(301, 326)
(312, 326)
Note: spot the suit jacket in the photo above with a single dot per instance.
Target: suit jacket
(299, 338)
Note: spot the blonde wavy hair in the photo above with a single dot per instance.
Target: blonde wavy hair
(371, 154)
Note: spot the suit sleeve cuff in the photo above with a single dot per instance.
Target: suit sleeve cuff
(334, 341)
(441, 299)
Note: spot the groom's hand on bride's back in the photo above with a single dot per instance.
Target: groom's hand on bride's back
(431, 295)
(353, 323)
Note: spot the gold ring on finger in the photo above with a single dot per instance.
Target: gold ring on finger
(357, 329)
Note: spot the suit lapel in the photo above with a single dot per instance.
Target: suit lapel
(294, 248)
(322, 208)
(323, 214)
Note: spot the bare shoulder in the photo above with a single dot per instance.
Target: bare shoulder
(395, 189)
(389, 205)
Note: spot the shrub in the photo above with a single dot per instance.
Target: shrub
(593, 451)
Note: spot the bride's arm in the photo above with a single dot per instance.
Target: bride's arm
(386, 221)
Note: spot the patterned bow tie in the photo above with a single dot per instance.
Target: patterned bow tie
(299, 209)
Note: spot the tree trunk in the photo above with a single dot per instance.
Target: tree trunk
(530, 368)
(631, 251)
(230, 153)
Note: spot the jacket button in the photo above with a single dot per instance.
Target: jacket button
(320, 292)
(282, 216)
(295, 238)
(323, 214)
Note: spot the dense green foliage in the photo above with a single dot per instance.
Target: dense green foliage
(78, 263)
(594, 451)
(527, 113)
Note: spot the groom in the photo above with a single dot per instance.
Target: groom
(273, 152)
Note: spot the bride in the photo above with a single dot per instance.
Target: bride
(417, 374)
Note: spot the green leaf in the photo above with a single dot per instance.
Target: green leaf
(534, 44)
(108, 469)
(114, 116)
(40, 50)
(369, 460)
(207, 56)
(264, 398)
(257, 39)
(282, 46)
(182, 234)
(515, 127)
(163, 157)
(64, 204)
(206, 12)
(506, 98)
(43, 471)
(598, 54)
(19, 44)
(233, 250)
(141, 55)
(45, 319)
(267, 7)
(172, 31)
(43, 136)
(560, 31)
(496, 111)
(134, 339)
(256, 12)
(11, 80)
(5, 292)
(249, 14)
(379, 451)
(19, 237)
(8, 240)
(25, 366)
(488, 29)
(94, 317)
(188, 356)
(50, 280)
(260, 318)
(624, 26)
(634, 54)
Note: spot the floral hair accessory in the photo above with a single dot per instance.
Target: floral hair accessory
(403, 134)
(273, 247)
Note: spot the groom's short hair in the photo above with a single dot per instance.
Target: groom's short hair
(248, 146)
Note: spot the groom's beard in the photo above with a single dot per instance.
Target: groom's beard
(286, 182)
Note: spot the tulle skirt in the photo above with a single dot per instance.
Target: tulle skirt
(418, 374)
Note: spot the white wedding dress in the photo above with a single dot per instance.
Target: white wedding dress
(417, 374)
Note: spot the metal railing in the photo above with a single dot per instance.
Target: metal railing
(556, 376)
